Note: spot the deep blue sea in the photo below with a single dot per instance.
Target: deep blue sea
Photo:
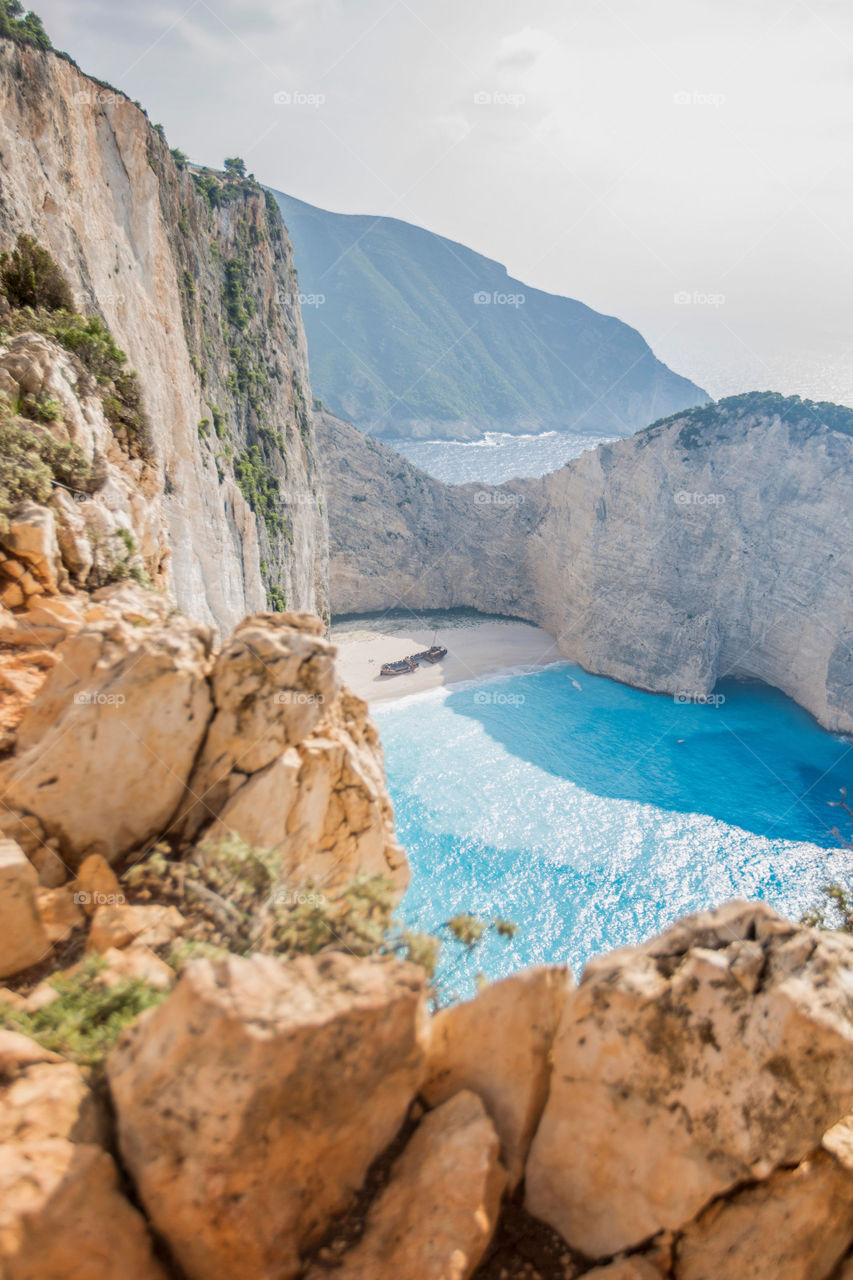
(592, 815)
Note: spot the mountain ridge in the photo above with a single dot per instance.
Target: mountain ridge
(413, 334)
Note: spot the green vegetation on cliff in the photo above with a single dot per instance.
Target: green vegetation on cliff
(700, 423)
(38, 299)
(24, 27)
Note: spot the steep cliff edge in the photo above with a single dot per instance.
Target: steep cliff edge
(716, 543)
(194, 275)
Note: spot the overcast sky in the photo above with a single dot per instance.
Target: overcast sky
(624, 154)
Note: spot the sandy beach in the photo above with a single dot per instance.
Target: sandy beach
(474, 646)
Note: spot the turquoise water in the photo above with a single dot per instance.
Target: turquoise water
(592, 815)
(497, 457)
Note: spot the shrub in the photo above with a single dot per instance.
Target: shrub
(32, 461)
(86, 1018)
(259, 486)
(276, 599)
(233, 897)
(93, 344)
(23, 28)
(31, 278)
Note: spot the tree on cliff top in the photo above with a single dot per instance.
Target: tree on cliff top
(23, 27)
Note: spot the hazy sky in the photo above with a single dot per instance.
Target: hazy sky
(621, 153)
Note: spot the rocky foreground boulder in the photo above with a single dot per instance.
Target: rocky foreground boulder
(252, 1103)
(713, 1056)
(142, 730)
(63, 1214)
(691, 1099)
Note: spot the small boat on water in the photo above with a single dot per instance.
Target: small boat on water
(432, 655)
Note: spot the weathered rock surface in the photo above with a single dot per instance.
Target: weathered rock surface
(242, 1128)
(499, 1046)
(23, 940)
(85, 173)
(270, 684)
(31, 537)
(106, 749)
(795, 1226)
(62, 1216)
(151, 925)
(711, 1056)
(436, 1216)
(61, 1211)
(710, 546)
(43, 1097)
(322, 806)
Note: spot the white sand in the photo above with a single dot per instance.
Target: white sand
(473, 649)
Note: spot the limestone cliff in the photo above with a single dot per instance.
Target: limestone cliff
(716, 543)
(194, 275)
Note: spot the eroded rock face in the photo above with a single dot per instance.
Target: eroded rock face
(87, 176)
(499, 1046)
(23, 940)
(795, 1226)
(706, 547)
(62, 1216)
(323, 806)
(436, 1216)
(106, 749)
(61, 1211)
(710, 1056)
(242, 1127)
(270, 683)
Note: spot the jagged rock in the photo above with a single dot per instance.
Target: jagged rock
(499, 1046)
(23, 941)
(322, 806)
(437, 1214)
(62, 1216)
(705, 1058)
(271, 683)
(151, 925)
(31, 537)
(794, 1226)
(59, 912)
(240, 1124)
(97, 884)
(43, 1097)
(107, 746)
(136, 962)
(74, 545)
(47, 621)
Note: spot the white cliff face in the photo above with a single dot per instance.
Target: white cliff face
(82, 170)
(705, 547)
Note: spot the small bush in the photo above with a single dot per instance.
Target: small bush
(32, 461)
(234, 899)
(93, 344)
(85, 1020)
(276, 599)
(260, 487)
(31, 278)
